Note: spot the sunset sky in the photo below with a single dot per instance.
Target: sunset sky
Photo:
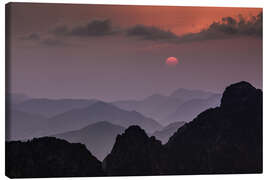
(111, 52)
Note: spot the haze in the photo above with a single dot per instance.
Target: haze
(53, 56)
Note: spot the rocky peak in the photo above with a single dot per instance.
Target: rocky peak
(134, 153)
(239, 97)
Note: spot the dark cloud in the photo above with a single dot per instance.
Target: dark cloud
(60, 30)
(52, 42)
(228, 27)
(150, 33)
(32, 36)
(96, 27)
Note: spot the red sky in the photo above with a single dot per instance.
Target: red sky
(180, 20)
(127, 67)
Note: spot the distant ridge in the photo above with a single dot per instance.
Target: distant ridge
(181, 105)
(99, 111)
(50, 157)
(98, 137)
(165, 133)
(226, 139)
(52, 107)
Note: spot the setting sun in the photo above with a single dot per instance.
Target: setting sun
(172, 61)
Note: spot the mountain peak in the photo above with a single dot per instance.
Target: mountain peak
(99, 104)
(239, 95)
(134, 153)
(188, 94)
(135, 131)
(50, 157)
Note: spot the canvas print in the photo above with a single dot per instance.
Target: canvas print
(121, 90)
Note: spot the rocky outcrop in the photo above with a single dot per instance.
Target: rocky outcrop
(50, 157)
(134, 153)
(225, 139)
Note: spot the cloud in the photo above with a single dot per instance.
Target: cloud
(96, 27)
(60, 30)
(52, 42)
(32, 37)
(150, 33)
(228, 27)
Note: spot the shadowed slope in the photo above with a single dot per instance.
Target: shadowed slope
(98, 112)
(49, 157)
(165, 133)
(226, 139)
(134, 153)
(98, 137)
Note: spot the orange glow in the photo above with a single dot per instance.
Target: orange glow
(180, 20)
(172, 61)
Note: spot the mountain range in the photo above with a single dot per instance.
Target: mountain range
(224, 139)
(181, 105)
(98, 112)
(98, 137)
(26, 125)
(23, 125)
(35, 117)
(51, 107)
(50, 157)
(166, 132)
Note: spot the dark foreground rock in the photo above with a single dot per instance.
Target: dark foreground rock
(50, 157)
(134, 153)
(226, 139)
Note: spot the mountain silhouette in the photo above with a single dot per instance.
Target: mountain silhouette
(156, 106)
(16, 98)
(104, 131)
(226, 139)
(190, 109)
(22, 125)
(187, 94)
(134, 153)
(97, 112)
(50, 157)
(181, 105)
(51, 107)
(165, 133)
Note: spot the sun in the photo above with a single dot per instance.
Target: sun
(172, 61)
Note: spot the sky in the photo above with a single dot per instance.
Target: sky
(112, 52)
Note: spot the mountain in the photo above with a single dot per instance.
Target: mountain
(187, 94)
(16, 98)
(22, 125)
(166, 109)
(98, 137)
(50, 157)
(134, 153)
(190, 109)
(225, 139)
(51, 107)
(165, 133)
(97, 112)
(156, 106)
